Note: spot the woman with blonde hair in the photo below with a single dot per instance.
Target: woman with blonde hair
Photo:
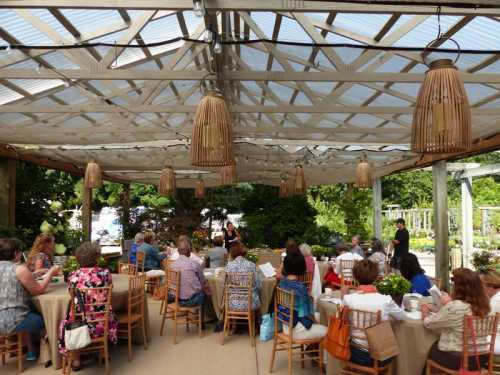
(41, 255)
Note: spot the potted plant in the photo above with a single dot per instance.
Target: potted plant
(252, 257)
(395, 286)
(71, 265)
(485, 260)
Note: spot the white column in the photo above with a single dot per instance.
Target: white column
(440, 195)
(377, 208)
(467, 214)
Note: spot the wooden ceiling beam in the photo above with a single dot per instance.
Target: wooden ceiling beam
(14, 153)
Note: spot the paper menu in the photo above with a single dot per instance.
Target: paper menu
(436, 295)
(267, 269)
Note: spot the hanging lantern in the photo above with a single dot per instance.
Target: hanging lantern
(167, 186)
(212, 140)
(93, 175)
(442, 115)
(299, 186)
(284, 188)
(363, 174)
(228, 175)
(199, 189)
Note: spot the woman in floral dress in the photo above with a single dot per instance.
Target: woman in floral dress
(90, 275)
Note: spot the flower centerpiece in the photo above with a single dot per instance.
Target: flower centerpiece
(395, 286)
(200, 239)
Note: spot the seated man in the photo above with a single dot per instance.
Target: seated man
(345, 254)
(192, 279)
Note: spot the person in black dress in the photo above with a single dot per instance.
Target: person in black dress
(230, 235)
(401, 243)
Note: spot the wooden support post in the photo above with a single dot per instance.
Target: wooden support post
(484, 221)
(377, 208)
(126, 210)
(87, 214)
(467, 215)
(440, 193)
(8, 193)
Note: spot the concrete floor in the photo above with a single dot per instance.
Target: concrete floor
(191, 356)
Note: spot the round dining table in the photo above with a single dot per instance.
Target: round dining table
(413, 338)
(216, 283)
(53, 305)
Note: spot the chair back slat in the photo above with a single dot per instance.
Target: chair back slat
(173, 281)
(166, 263)
(136, 293)
(306, 278)
(140, 260)
(346, 266)
(238, 287)
(479, 336)
(96, 303)
(360, 320)
(284, 302)
(127, 268)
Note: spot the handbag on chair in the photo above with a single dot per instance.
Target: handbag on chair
(338, 339)
(77, 334)
(463, 371)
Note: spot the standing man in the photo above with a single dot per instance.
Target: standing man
(355, 248)
(401, 243)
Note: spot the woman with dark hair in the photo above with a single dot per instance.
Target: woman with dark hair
(304, 327)
(239, 264)
(411, 271)
(18, 285)
(378, 255)
(90, 275)
(468, 298)
(230, 235)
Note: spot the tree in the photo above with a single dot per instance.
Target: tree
(36, 188)
(272, 220)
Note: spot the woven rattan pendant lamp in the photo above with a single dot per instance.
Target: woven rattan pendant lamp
(212, 139)
(442, 115)
(363, 174)
(284, 190)
(199, 189)
(228, 175)
(167, 186)
(93, 175)
(299, 186)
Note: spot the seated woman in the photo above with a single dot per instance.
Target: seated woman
(41, 255)
(411, 271)
(491, 282)
(152, 256)
(239, 264)
(18, 285)
(90, 275)
(367, 298)
(378, 255)
(217, 255)
(468, 298)
(304, 327)
(290, 248)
